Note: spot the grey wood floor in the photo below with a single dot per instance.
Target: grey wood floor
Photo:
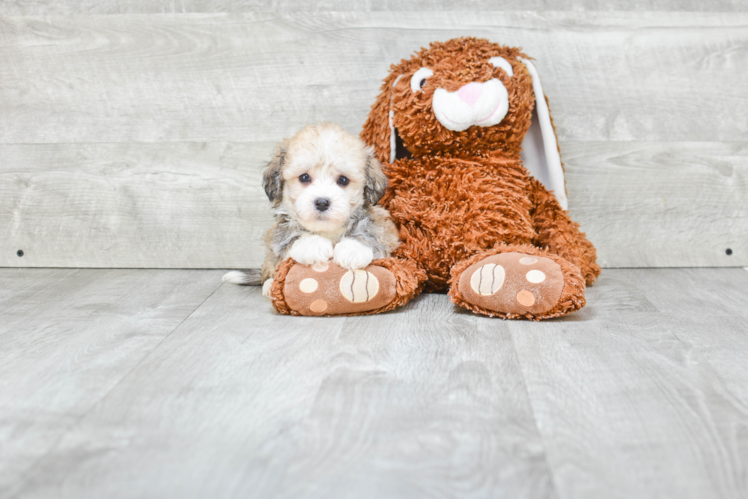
(166, 383)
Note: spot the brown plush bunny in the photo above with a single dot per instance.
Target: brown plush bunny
(476, 189)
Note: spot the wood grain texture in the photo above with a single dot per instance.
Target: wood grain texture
(644, 393)
(73, 7)
(648, 204)
(68, 338)
(133, 140)
(200, 205)
(178, 205)
(624, 76)
(240, 401)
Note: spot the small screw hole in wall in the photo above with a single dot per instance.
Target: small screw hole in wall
(728, 251)
(19, 253)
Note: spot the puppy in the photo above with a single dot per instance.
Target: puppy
(323, 184)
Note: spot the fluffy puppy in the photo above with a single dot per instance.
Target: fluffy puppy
(323, 184)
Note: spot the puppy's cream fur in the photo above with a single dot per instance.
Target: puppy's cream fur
(324, 162)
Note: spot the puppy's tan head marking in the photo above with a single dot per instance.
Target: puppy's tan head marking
(322, 175)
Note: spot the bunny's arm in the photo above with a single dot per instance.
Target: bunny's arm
(561, 235)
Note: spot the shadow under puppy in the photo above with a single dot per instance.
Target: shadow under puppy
(323, 184)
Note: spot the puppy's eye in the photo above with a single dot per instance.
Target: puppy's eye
(305, 178)
(343, 180)
(418, 80)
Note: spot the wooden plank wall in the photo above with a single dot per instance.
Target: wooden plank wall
(133, 134)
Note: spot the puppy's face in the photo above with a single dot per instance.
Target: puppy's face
(322, 175)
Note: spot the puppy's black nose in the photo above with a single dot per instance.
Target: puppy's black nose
(322, 204)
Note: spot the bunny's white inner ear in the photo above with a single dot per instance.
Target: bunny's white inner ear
(540, 147)
(393, 139)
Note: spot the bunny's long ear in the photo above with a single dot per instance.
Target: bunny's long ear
(540, 146)
(378, 130)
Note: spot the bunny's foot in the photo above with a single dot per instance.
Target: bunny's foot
(330, 290)
(518, 282)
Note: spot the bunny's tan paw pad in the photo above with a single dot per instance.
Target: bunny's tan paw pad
(513, 283)
(328, 289)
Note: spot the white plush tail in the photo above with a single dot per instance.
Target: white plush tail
(248, 277)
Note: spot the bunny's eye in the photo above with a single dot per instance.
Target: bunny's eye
(500, 62)
(418, 80)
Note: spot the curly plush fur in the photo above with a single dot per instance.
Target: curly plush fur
(461, 194)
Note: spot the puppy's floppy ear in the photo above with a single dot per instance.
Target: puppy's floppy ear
(272, 181)
(376, 181)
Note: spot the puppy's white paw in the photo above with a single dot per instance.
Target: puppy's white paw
(266, 288)
(352, 254)
(311, 249)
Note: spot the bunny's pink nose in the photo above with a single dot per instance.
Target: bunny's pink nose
(471, 92)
